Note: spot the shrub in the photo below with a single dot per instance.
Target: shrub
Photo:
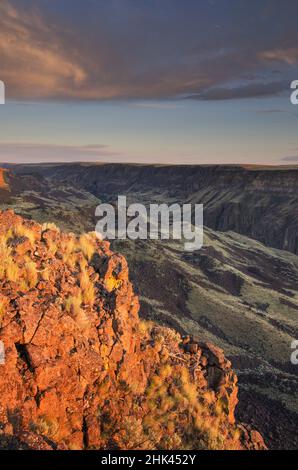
(31, 274)
(12, 271)
(87, 287)
(165, 371)
(52, 247)
(46, 426)
(73, 304)
(4, 301)
(5, 256)
(173, 397)
(68, 246)
(24, 231)
(46, 274)
(145, 327)
(87, 246)
(70, 260)
(50, 226)
(23, 286)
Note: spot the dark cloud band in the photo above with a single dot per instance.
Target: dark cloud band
(128, 49)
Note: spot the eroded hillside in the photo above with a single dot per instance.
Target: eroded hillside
(246, 200)
(241, 296)
(82, 371)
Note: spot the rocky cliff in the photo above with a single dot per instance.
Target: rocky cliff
(3, 182)
(246, 200)
(81, 371)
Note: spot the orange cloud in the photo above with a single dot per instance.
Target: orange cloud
(289, 56)
(34, 63)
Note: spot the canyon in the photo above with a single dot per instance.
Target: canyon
(238, 292)
(82, 371)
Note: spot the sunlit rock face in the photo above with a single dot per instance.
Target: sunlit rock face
(82, 371)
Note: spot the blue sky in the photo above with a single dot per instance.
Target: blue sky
(148, 81)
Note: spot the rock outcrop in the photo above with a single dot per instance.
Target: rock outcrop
(81, 371)
(3, 182)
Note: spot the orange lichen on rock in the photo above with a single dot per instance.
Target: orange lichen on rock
(83, 372)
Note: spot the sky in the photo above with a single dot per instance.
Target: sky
(149, 81)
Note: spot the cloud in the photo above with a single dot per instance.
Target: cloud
(252, 90)
(33, 60)
(154, 105)
(272, 111)
(39, 152)
(140, 50)
(289, 56)
(290, 159)
(289, 112)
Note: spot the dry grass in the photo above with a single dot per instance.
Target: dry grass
(87, 245)
(70, 260)
(50, 226)
(5, 256)
(46, 426)
(9, 269)
(173, 397)
(24, 231)
(73, 304)
(87, 287)
(30, 274)
(12, 271)
(52, 247)
(145, 327)
(25, 277)
(46, 274)
(4, 301)
(69, 248)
